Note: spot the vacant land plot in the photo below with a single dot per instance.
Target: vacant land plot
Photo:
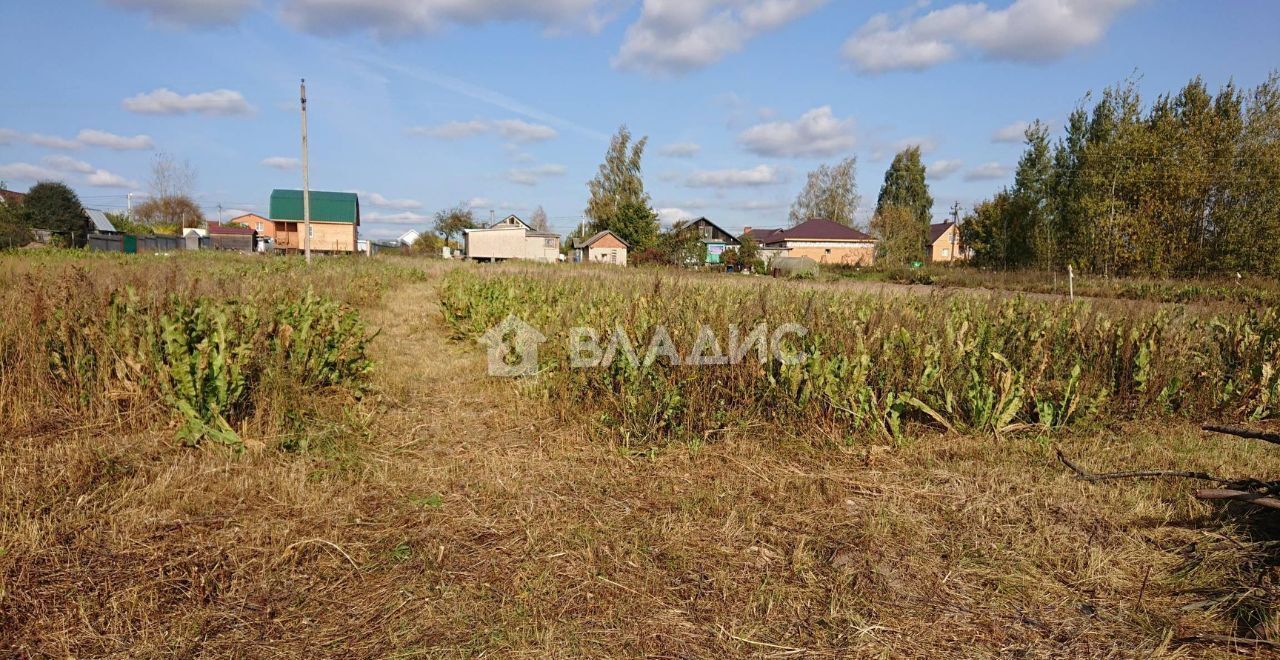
(206, 456)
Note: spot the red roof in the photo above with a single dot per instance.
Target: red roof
(11, 197)
(819, 230)
(760, 234)
(227, 230)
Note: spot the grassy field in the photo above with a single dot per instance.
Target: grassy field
(207, 455)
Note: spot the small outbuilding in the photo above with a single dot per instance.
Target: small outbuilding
(231, 237)
(793, 267)
(603, 248)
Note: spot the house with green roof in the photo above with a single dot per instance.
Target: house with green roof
(335, 221)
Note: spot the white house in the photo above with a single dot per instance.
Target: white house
(510, 238)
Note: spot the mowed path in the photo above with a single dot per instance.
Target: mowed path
(454, 515)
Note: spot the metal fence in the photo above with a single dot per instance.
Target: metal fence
(131, 244)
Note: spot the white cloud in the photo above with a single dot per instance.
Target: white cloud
(94, 138)
(674, 36)
(760, 175)
(163, 101)
(672, 215)
(758, 205)
(68, 164)
(521, 131)
(403, 18)
(479, 203)
(1014, 133)
(28, 172)
(515, 130)
(86, 138)
(680, 150)
(281, 162)
(1025, 31)
(378, 200)
(816, 133)
(987, 172)
(190, 13)
(105, 179)
(531, 176)
(941, 169)
(51, 141)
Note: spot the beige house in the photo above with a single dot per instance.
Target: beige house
(603, 248)
(944, 243)
(335, 221)
(510, 238)
(824, 241)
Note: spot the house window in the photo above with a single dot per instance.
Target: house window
(946, 253)
(550, 242)
(706, 231)
(827, 251)
(259, 227)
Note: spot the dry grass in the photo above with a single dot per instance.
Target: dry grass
(449, 515)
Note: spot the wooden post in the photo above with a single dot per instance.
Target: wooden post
(306, 183)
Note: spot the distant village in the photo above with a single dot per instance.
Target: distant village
(335, 230)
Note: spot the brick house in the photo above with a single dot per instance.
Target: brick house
(824, 241)
(603, 248)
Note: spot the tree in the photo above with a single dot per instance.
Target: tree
(428, 244)
(56, 207)
(749, 254)
(171, 207)
(830, 193)
(680, 245)
(13, 229)
(168, 215)
(618, 200)
(905, 187)
(1032, 184)
(539, 220)
(902, 237)
(451, 221)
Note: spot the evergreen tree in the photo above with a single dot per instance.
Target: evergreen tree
(905, 186)
(56, 207)
(618, 200)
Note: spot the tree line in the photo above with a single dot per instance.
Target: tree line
(1188, 185)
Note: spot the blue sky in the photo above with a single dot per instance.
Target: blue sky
(505, 104)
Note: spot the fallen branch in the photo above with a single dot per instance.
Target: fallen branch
(1239, 496)
(1136, 474)
(1240, 432)
(1224, 639)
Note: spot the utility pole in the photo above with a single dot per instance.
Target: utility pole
(955, 230)
(306, 182)
(219, 213)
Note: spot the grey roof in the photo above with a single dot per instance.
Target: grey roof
(99, 220)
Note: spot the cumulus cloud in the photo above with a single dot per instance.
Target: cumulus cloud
(378, 200)
(281, 162)
(94, 138)
(941, 169)
(816, 133)
(760, 175)
(105, 179)
(758, 205)
(674, 36)
(86, 138)
(1014, 133)
(28, 172)
(1025, 31)
(68, 164)
(189, 13)
(404, 18)
(987, 172)
(515, 130)
(680, 150)
(531, 176)
(163, 101)
(671, 215)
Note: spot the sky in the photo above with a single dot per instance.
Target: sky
(505, 105)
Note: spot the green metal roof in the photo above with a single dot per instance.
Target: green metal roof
(325, 206)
